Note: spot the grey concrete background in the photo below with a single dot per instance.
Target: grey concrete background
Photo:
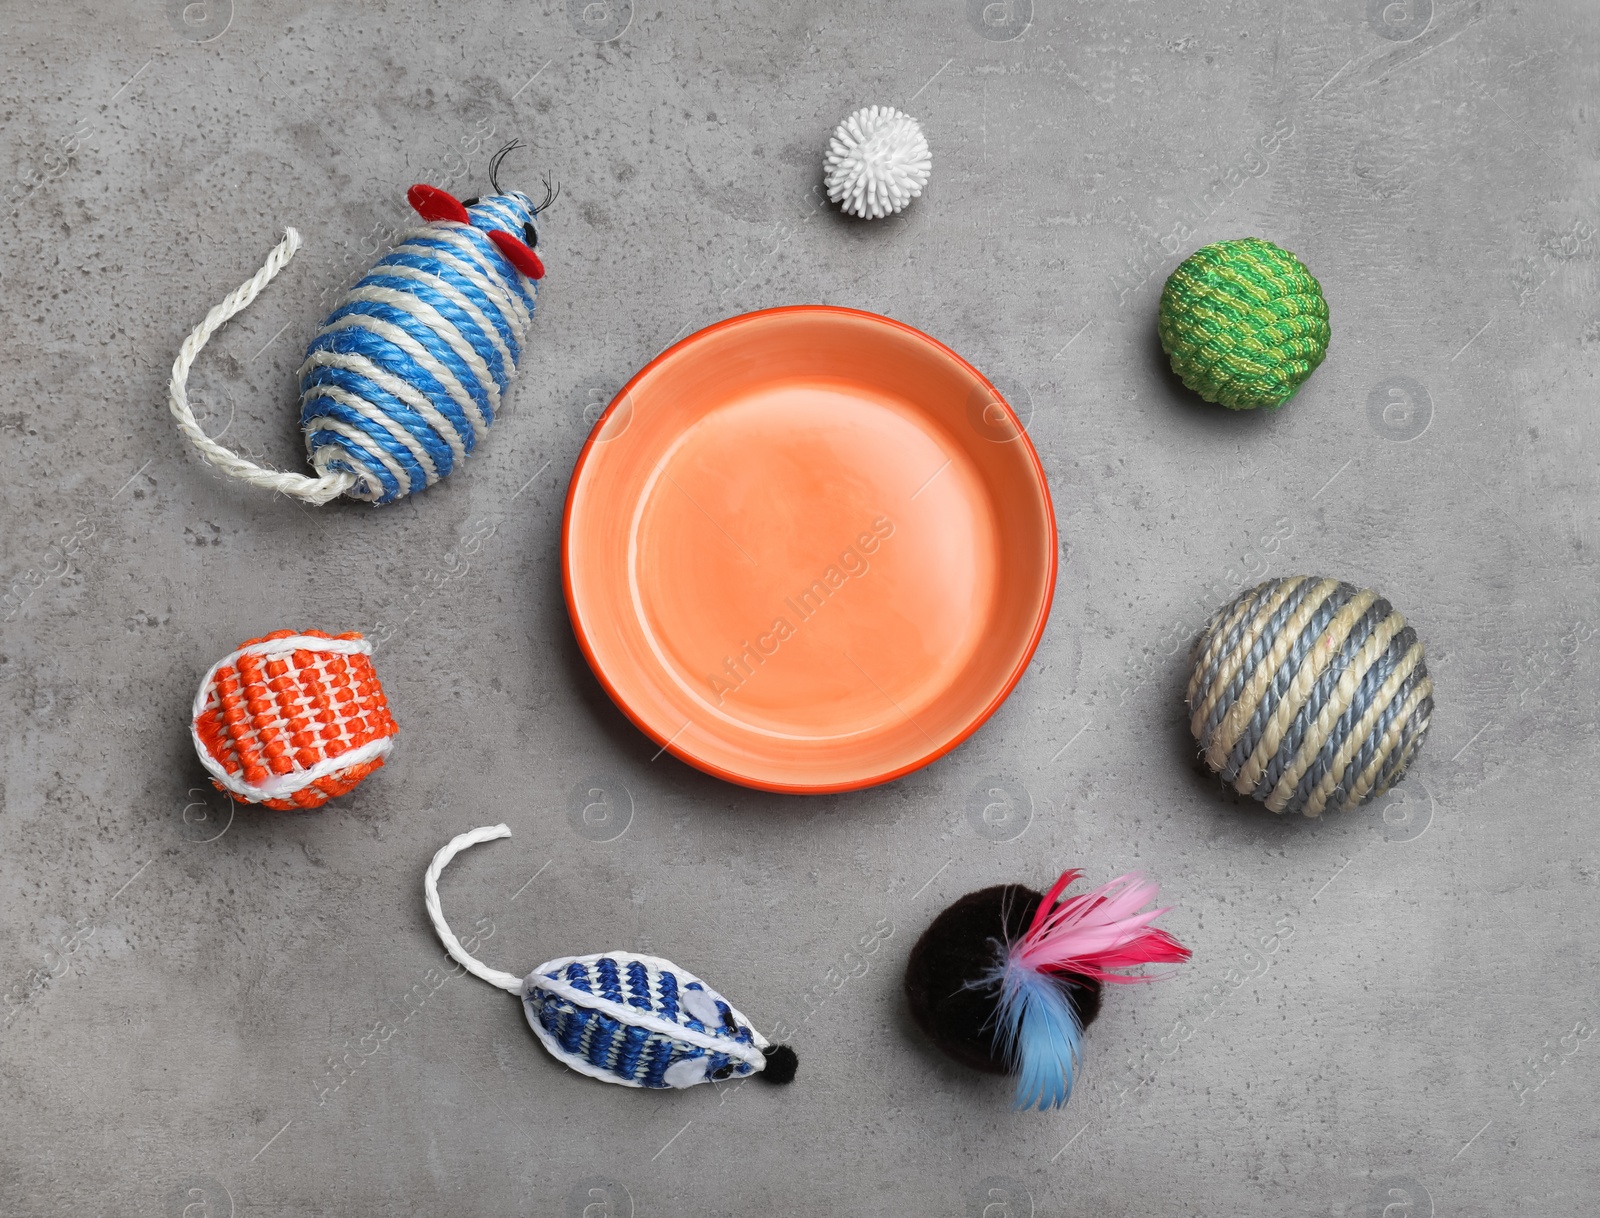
(220, 1011)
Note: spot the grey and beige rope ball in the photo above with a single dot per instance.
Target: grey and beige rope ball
(1309, 695)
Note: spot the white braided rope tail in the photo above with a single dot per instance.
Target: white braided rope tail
(430, 898)
(312, 490)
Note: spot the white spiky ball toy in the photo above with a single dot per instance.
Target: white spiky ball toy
(877, 162)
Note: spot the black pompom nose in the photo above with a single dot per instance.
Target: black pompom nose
(781, 1064)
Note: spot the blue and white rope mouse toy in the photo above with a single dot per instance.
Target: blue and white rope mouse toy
(640, 1021)
(409, 369)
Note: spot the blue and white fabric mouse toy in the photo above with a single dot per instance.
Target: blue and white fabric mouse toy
(640, 1021)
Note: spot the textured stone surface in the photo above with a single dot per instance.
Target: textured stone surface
(1386, 1009)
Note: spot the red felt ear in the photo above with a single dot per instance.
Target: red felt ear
(518, 254)
(431, 204)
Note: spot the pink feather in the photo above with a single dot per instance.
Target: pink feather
(1097, 931)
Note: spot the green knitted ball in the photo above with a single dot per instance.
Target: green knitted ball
(1244, 323)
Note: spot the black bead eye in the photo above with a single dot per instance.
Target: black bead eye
(721, 1073)
(530, 235)
(472, 202)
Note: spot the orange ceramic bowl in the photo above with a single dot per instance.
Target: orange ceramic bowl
(808, 549)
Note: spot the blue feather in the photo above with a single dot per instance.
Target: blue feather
(1038, 1030)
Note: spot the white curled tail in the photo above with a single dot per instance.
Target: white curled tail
(312, 490)
(430, 898)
